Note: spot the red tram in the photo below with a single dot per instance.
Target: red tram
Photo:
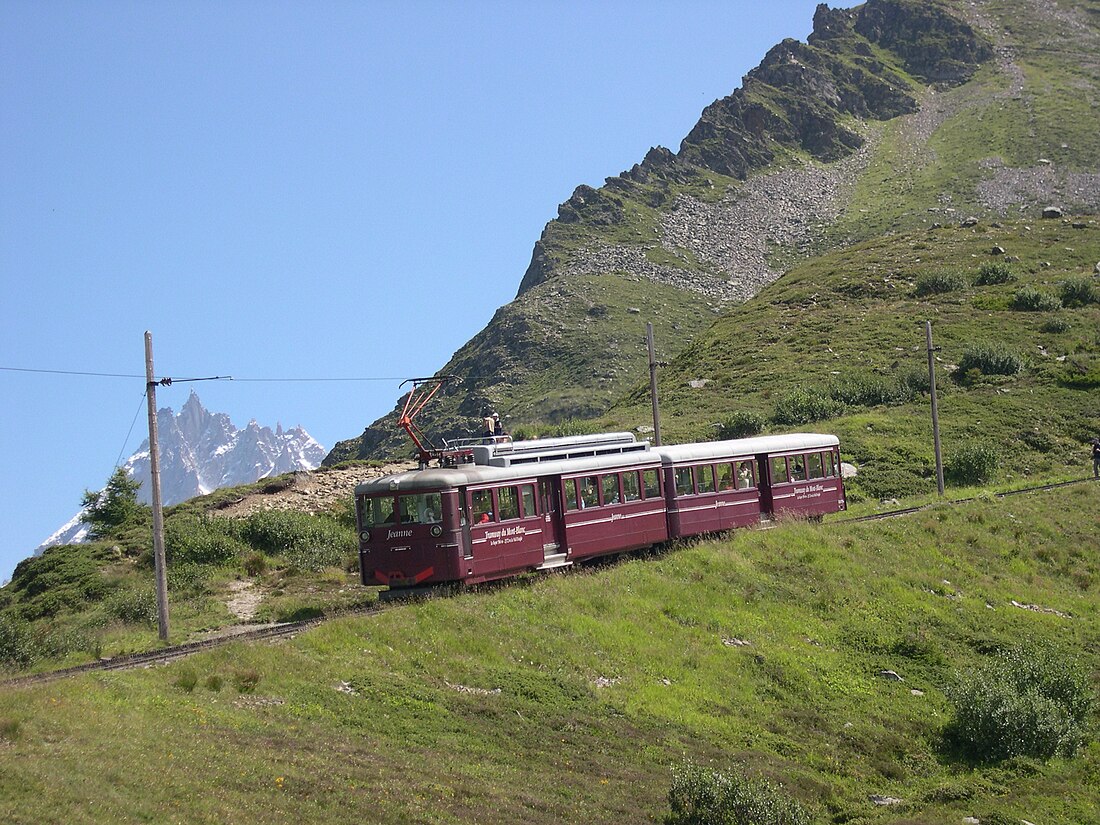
(501, 508)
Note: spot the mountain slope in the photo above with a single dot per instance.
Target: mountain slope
(681, 236)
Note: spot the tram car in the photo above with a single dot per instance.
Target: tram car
(500, 508)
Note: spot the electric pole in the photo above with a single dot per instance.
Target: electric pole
(158, 513)
(653, 386)
(935, 407)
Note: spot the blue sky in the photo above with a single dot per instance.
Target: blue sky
(299, 190)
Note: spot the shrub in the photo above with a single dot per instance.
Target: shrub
(9, 728)
(255, 564)
(308, 542)
(866, 390)
(214, 682)
(990, 359)
(704, 797)
(741, 424)
(994, 273)
(1078, 292)
(938, 282)
(189, 578)
(1028, 701)
(914, 379)
(1056, 325)
(17, 649)
(133, 606)
(186, 679)
(200, 540)
(973, 463)
(801, 406)
(245, 681)
(1029, 299)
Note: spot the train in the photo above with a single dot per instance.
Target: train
(499, 508)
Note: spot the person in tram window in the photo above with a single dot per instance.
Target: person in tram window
(485, 518)
(744, 477)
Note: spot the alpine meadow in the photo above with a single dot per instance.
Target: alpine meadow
(913, 161)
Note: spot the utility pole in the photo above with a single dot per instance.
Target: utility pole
(935, 407)
(158, 512)
(653, 385)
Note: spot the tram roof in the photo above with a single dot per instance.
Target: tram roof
(472, 474)
(745, 447)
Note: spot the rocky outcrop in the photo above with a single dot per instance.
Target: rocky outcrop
(764, 170)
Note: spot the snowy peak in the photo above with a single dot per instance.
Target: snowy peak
(201, 451)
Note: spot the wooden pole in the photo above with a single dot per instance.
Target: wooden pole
(935, 406)
(158, 512)
(653, 386)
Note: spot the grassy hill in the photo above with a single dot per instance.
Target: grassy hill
(571, 698)
(849, 325)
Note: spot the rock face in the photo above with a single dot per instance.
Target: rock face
(682, 235)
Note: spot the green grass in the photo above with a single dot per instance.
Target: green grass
(851, 317)
(571, 698)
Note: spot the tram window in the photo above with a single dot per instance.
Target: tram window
(779, 470)
(481, 505)
(589, 492)
(745, 475)
(830, 467)
(651, 480)
(798, 468)
(508, 503)
(374, 511)
(725, 477)
(527, 493)
(813, 462)
(630, 486)
(570, 487)
(610, 489)
(683, 481)
(420, 509)
(704, 479)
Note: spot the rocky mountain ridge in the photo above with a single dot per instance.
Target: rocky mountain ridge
(767, 177)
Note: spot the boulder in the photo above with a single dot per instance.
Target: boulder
(1052, 212)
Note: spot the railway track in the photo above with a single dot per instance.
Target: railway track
(168, 654)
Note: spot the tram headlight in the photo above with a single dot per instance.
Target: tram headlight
(436, 530)
(364, 536)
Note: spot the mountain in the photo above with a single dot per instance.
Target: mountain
(201, 451)
(681, 237)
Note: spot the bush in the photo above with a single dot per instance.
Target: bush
(973, 463)
(705, 797)
(186, 679)
(1028, 701)
(200, 540)
(866, 390)
(255, 564)
(133, 606)
(245, 681)
(991, 359)
(801, 406)
(741, 424)
(1078, 292)
(1029, 299)
(307, 542)
(994, 273)
(1056, 325)
(938, 282)
(17, 648)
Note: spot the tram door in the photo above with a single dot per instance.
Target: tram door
(553, 525)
